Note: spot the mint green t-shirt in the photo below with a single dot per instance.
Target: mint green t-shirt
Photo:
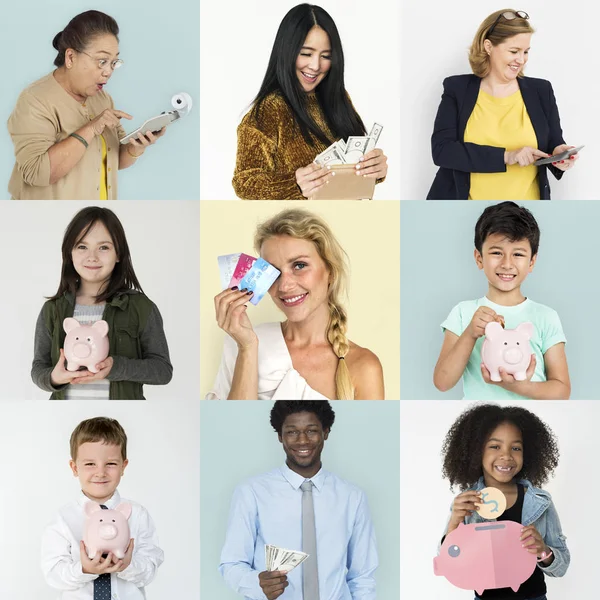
(548, 333)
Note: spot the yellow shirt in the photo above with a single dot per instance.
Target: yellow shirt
(103, 172)
(504, 123)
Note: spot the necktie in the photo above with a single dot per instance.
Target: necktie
(102, 589)
(310, 575)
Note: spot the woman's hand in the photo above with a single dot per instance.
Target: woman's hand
(523, 156)
(311, 178)
(143, 141)
(567, 163)
(373, 164)
(463, 506)
(60, 375)
(103, 367)
(230, 309)
(107, 118)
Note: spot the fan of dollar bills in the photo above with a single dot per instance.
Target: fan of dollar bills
(349, 152)
(280, 559)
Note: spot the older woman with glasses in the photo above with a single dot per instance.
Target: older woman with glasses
(493, 126)
(65, 128)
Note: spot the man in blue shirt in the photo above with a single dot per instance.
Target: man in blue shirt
(300, 506)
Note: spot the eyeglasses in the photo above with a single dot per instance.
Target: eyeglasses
(102, 62)
(509, 15)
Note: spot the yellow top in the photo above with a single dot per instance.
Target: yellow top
(504, 123)
(103, 172)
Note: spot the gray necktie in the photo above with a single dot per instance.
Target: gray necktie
(102, 589)
(310, 574)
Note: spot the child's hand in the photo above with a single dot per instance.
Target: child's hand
(464, 505)
(533, 541)
(508, 381)
(60, 375)
(104, 369)
(98, 565)
(483, 315)
(126, 560)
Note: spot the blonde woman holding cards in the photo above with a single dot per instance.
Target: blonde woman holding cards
(302, 107)
(308, 356)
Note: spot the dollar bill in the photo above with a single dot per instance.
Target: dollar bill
(281, 559)
(350, 152)
(259, 278)
(373, 136)
(227, 264)
(356, 147)
(331, 156)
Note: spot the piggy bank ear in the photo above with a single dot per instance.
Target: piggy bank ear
(101, 327)
(125, 509)
(493, 330)
(526, 329)
(90, 508)
(70, 323)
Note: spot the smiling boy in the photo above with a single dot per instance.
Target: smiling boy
(506, 246)
(98, 460)
(300, 506)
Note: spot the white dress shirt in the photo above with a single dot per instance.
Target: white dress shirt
(61, 562)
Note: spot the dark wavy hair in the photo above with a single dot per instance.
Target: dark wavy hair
(511, 220)
(281, 77)
(123, 277)
(80, 31)
(284, 408)
(464, 444)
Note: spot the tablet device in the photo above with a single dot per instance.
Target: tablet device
(346, 185)
(155, 124)
(557, 157)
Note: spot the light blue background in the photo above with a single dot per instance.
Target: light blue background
(237, 442)
(438, 271)
(159, 42)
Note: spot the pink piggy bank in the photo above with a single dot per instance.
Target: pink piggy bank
(85, 345)
(507, 348)
(106, 530)
(485, 556)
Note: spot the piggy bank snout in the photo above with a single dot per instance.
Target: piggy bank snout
(82, 350)
(108, 531)
(513, 356)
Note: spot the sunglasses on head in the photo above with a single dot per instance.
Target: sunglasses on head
(509, 15)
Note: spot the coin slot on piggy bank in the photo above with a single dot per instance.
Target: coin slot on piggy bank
(485, 556)
(508, 349)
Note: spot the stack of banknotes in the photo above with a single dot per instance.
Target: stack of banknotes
(247, 272)
(349, 152)
(280, 559)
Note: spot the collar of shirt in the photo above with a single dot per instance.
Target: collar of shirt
(111, 503)
(296, 480)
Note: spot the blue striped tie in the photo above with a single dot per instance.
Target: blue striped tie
(102, 589)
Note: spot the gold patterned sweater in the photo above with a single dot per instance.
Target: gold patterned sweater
(271, 148)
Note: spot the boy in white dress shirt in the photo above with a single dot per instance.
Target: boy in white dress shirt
(98, 460)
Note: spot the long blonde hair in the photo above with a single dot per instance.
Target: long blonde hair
(304, 225)
(504, 29)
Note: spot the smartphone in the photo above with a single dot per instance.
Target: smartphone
(557, 157)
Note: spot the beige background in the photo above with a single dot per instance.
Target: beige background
(370, 234)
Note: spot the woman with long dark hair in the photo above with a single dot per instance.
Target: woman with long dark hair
(302, 107)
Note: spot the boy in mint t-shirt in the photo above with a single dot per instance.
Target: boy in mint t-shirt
(507, 238)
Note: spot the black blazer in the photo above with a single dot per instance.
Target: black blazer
(457, 159)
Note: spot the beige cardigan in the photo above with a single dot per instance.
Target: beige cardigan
(45, 114)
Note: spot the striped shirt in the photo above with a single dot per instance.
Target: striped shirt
(98, 390)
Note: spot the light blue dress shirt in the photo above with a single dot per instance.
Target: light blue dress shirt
(267, 509)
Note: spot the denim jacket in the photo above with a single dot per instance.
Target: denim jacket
(539, 511)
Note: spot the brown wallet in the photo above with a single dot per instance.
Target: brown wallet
(346, 185)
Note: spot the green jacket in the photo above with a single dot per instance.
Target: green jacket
(126, 315)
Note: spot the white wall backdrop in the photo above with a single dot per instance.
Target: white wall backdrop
(235, 44)
(435, 37)
(425, 498)
(163, 475)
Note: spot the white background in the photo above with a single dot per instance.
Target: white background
(235, 44)
(425, 497)
(164, 243)
(436, 36)
(162, 475)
